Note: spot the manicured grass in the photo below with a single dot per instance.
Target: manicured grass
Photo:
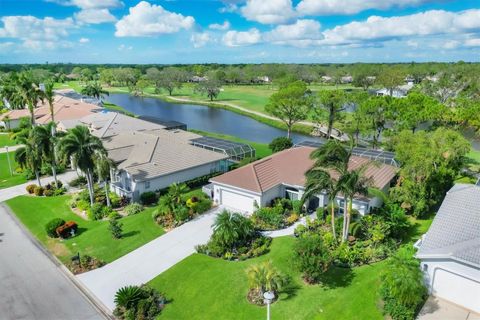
(201, 287)
(5, 140)
(262, 150)
(7, 179)
(93, 239)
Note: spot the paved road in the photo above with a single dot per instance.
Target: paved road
(31, 285)
(148, 261)
(14, 191)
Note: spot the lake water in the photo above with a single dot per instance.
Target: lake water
(204, 118)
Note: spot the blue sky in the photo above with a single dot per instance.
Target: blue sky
(238, 31)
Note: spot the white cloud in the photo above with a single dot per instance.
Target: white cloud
(268, 11)
(94, 16)
(475, 42)
(377, 28)
(146, 20)
(347, 7)
(37, 33)
(123, 47)
(302, 33)
(90, 4)
(412, 43)
(217, 26)
(200, 39)
(84, 40)
(242, 38)
(451, 44)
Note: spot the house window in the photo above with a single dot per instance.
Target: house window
(291, 194)
(147, 184)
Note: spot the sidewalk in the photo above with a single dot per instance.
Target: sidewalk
(10, 148)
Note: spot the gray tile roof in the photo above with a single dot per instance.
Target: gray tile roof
(455, 231)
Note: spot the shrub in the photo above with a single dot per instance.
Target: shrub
(31, 188)
(52, 226)
(263, 277)
(291, 219)
(96, 212)
(280, 143)
(114, 200)
(297, 207)
(78, 182)
(202, 206)
(133, 208)
(48, 193)
(312, 257)
(65, 231)
(181, 214)
(38, 191)
(59, 191)
(267, 218)
(403, 295)
(83, 205)
(133, 302)
(148, 197)
(115, 228)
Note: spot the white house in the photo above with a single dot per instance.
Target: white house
(398, 92)
(282, 175)
(450, 251)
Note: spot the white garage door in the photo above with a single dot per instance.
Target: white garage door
(236, 201)
(457, 289)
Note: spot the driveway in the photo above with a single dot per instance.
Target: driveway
(148, 261)
(436, 309)
(32, 285)
(18, 190)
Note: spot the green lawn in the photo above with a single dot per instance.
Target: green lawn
(201, 287)
(262, 150)
(7, 179)
(6, 141)
(93, 239)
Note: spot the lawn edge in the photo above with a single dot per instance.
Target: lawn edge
(97, 304)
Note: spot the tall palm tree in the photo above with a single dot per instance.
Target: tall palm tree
(29, 156)
(28, 93)
(50, 97)
(103, 165)
(45, 143)
(352, 183)
(82, 148)
(319, 180)
(265, 277)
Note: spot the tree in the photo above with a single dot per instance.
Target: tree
(374, 111)
(140, 87)
(209, 87)
(29, 156)
(231, 229)
(28, 93)
(170, 79)
(312, 257)
(290, 104)
(263, 277)
(176, 190)
(50, 96)
(103, 166)
(331, 103)
(280, 143)
(391, 78)
(94, 90)
(82, 148)
(115, 228)
(45, 143)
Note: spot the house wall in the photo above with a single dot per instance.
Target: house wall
(269, 195)
(456, 291)
(12, 124)
(217, 197)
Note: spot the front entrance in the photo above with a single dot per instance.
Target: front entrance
(313, 204)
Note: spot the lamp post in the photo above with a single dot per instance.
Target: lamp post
(9, 164)
(268, 296)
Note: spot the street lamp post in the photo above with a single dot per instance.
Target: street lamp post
(269, 296)
(9, 164)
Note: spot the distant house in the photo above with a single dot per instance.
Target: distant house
(154, 159)
(64, 109)
(326, 79)
(398, 92)
(282, 175)
(262, 79)
(197, 79)
(346, 79)
(450, 251)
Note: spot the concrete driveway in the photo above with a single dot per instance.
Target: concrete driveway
(31, 285)
(150, 260)
(439, 309)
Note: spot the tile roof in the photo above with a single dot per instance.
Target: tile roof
(289, 167)
(455, 231)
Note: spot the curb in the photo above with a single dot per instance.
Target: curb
(97, 304)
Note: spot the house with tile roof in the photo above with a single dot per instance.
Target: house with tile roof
(450, 251)
(282, 175)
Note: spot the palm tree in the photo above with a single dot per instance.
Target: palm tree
(82, 148)
(103, 165)
(350, 184)
(128, 296)
(265, 277)
(50, 96)
(94, 90)
(318, 181)
(28, 93)
(176, 191)
(45, 143)
(232, 228)
(29, 156)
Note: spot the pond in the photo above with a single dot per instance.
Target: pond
(203, 118)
